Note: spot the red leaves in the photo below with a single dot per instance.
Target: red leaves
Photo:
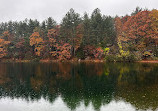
(52, 33)
(93, 52)
(140, 31)
(134, 27)
(137, 25)
(62, 51)
(98, 53)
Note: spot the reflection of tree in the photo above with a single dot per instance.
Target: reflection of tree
(84, 82)
(141, 98)
(64, 70)
(85, 85)
(38, 79)
(3, 76)
(139, 86)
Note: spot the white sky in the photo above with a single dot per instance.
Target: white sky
(42, 9)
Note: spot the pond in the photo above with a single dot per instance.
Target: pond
(78, 86)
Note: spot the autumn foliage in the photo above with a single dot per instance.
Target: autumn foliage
(138, 32)
(37, 43)
(88, 37)
(4, 44)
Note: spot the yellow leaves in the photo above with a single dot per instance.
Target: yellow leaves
(6, 42)
(38, 50)
(119, 44)
(32, 41)
(37, 41)
(147, 53)
(124, 53)
(154, 14)
(106, 51)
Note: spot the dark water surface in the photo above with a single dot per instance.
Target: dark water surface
(78, 86)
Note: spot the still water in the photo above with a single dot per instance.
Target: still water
(78, 87)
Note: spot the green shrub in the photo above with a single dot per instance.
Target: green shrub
(119, 58)
(36, 60)
(110, 58)
(80, 54)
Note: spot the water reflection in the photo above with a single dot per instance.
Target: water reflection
(86, 86)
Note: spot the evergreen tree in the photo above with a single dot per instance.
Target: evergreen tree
(68, 28)
(96, 27)
(87, 30)
(51, 23)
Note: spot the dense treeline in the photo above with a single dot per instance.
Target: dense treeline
(89, 37)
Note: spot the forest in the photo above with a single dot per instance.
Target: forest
(131, 37)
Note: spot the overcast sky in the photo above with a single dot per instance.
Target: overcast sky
(42, 9)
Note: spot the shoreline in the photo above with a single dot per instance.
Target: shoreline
(72, 60)
(148, 61)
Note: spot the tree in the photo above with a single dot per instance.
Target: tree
(137, 29)
(32, 25)
(4, 42)
(137, 10)
(154, 25)
(137, 32)
(21, 48)
(51, 23)
(108, 30)
(59, 49)
(68, 30)
(37, 43)
(43, 26)
(86, 30)
(96, 27)
(6, 36)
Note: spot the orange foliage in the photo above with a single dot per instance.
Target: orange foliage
(3, 47)
(6, 36)
(37, 42)
(138, 26)
(98, 53)
(93, 52)
(121, 36)
(139, 29)
(52, 34)
(62, 52)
